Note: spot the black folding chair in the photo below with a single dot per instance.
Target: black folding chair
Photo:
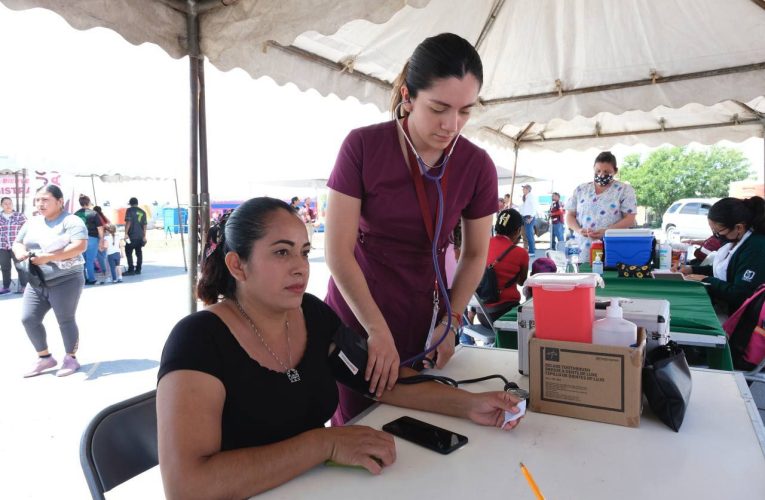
(120, 443)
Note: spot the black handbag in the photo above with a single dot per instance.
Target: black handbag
(31, 273)
(488, 289)
(667, 384)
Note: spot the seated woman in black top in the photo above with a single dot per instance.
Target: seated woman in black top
(245, 386)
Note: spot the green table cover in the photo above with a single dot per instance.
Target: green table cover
(690, 310)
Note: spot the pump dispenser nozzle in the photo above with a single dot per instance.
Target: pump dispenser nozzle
(614, 310)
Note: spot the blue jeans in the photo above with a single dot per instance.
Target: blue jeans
(556, 234)
(114, 261)
(90, 258)
(528, 233)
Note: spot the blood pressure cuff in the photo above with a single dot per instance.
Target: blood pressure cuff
(348, 359)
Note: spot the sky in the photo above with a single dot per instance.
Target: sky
(90, 102)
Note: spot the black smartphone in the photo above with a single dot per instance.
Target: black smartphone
(428, 435)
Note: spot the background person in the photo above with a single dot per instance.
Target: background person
(95, 237)
(602, 204)
(557, 214)
(308, 214)
(512, 269)
(58, 240)
(739, 265)
(135, 236)
(10, 223)
(113, 252)
(529, 210)
(231, 422)
(378, 240)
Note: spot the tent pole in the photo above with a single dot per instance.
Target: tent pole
(16, 182)
(180, 225)
(515, 166)
(93, 185)
(192, 29)
(204, 195)
(24, 188)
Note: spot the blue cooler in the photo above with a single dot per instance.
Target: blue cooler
(633, 247)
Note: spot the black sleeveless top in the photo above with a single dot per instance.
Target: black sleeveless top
(262, 406)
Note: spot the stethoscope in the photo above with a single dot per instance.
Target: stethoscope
(425, 171)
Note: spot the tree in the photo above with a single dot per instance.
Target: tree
(671, 173)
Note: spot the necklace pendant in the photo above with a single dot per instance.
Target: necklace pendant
(293, 375)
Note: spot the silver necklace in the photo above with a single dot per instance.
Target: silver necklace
(292, 373)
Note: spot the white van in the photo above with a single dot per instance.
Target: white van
(687, 218)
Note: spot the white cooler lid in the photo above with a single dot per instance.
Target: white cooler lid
(617, 233)
(564, 282)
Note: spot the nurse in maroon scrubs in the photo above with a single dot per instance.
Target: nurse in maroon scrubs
(382, 215)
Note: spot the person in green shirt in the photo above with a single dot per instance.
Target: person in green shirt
(739, 265)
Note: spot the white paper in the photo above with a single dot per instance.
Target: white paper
(511, 417)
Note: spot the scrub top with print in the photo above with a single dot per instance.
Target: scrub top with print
(598, 211)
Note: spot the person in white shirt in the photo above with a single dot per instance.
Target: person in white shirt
(529, 213)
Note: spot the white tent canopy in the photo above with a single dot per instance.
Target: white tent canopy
(574, 74)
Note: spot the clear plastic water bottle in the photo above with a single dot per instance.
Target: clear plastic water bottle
(572, 253)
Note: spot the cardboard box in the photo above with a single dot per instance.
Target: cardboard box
(587, 381)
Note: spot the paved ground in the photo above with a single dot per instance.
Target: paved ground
(42, 419)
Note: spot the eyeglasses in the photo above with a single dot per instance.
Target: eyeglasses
(720, 234)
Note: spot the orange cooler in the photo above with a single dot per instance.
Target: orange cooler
(564, 305)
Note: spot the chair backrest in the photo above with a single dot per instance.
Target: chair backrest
(120, 443)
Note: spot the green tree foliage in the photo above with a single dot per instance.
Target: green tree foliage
(669, 174)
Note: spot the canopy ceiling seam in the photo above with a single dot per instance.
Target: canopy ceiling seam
(342, 67)
(653, 80)
(759, 3)
(498, 4)
(732, 123)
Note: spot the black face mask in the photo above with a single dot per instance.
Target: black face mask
(603, 180)
(723, 238)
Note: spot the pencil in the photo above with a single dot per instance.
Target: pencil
(531, 482)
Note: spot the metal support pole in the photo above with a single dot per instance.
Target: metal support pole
(180, 225)
(515, 167)
(192, 29)
(204, 195)
(24, 189)
(93, 185)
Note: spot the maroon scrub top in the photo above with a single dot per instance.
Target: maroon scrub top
(393, 248)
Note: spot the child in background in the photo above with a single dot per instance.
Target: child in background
(113, 253)
(541, 265)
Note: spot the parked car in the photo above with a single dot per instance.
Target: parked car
(687, 218)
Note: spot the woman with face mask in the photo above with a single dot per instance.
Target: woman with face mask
(739, 265)
(604, 203)
(382, 215)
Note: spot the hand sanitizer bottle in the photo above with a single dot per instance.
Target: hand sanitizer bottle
(597, 266)
(614, 329)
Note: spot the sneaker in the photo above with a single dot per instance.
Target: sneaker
(129, 272)
(69, 366)
(138, 271)
(3, 291)
(119, 281)
(89, 282)
(41, 365)
(101, 282)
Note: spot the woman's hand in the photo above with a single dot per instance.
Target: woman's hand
(445, 349)
(41, 258)
(382, 363)
(488, 408)
(695, 277)
(680, 268)
(361, 445)
(596, 234)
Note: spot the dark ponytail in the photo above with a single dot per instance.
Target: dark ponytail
(732, 211)
(235, 232)
(441, 56)
(756, 206)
